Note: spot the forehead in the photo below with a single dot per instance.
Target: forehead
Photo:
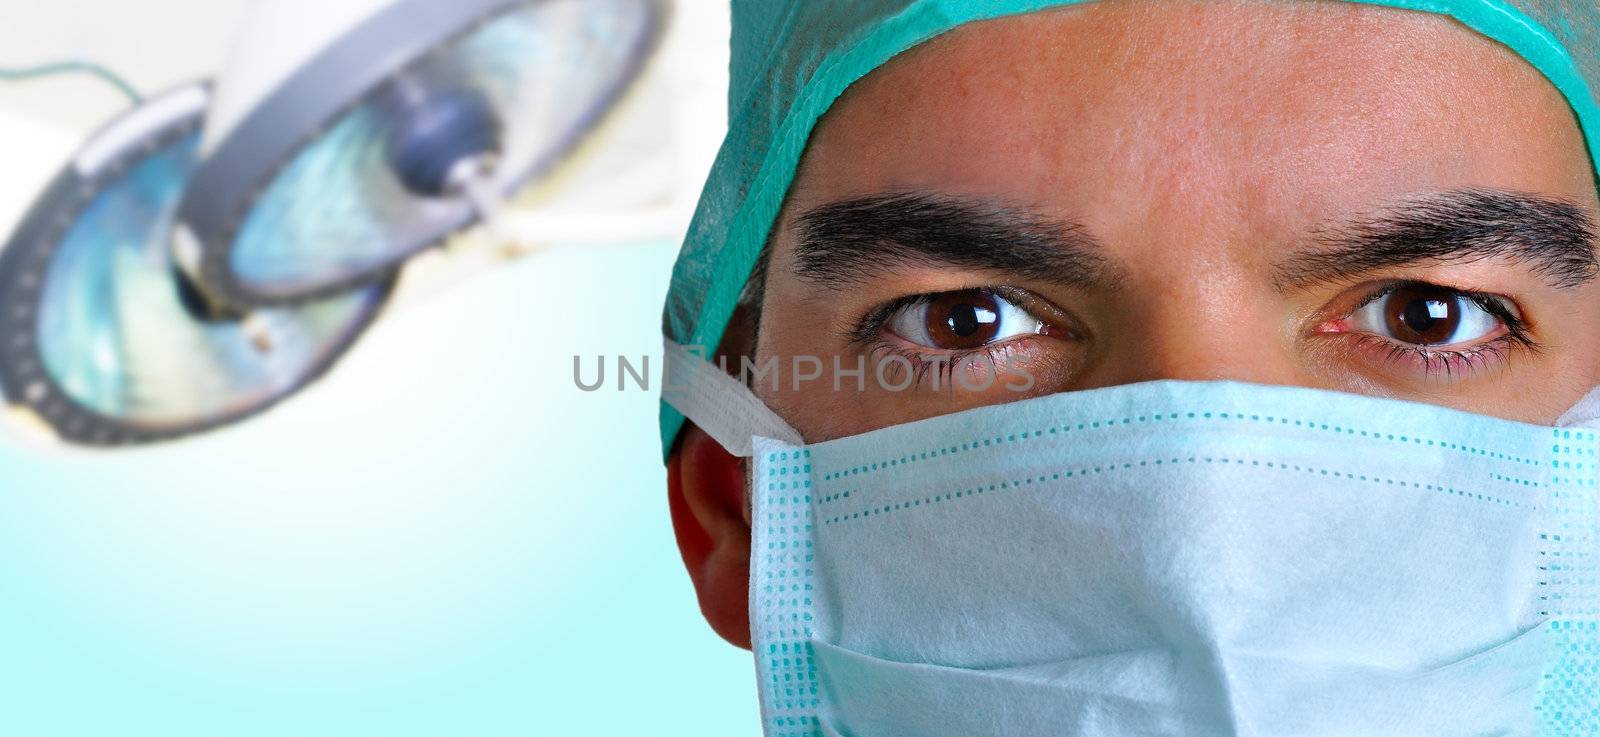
(1269, 113)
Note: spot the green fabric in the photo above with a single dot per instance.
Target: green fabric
(793, 58)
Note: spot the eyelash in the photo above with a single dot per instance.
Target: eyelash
(867, 330)
(946, 366)
(868, 334)
(1434, 362)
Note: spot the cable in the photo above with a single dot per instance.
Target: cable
(23, 74)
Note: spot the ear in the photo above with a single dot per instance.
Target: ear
(705, 488)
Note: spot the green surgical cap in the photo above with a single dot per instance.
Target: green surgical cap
(793, 58)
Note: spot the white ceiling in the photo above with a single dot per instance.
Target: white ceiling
(153, 43)
(156, 44)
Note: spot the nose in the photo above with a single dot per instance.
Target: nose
(1201, 330)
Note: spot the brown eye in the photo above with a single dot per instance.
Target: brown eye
(1425, 315)
(963, 321)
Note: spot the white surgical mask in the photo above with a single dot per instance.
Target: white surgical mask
(1169, 558)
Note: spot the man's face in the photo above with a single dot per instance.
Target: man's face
(1317, 194)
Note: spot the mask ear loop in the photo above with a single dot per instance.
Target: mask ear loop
(1585, 414)
(719, 404)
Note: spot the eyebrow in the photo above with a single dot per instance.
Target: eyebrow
(1553, 238)
(851, 241)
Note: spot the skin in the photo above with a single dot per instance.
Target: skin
(1202, 144)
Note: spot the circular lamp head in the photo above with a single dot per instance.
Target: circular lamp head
(400, 132)
(102, 336)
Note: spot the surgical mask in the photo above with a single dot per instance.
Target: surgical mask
(1169, 558)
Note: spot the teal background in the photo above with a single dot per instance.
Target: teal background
(446, 537)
